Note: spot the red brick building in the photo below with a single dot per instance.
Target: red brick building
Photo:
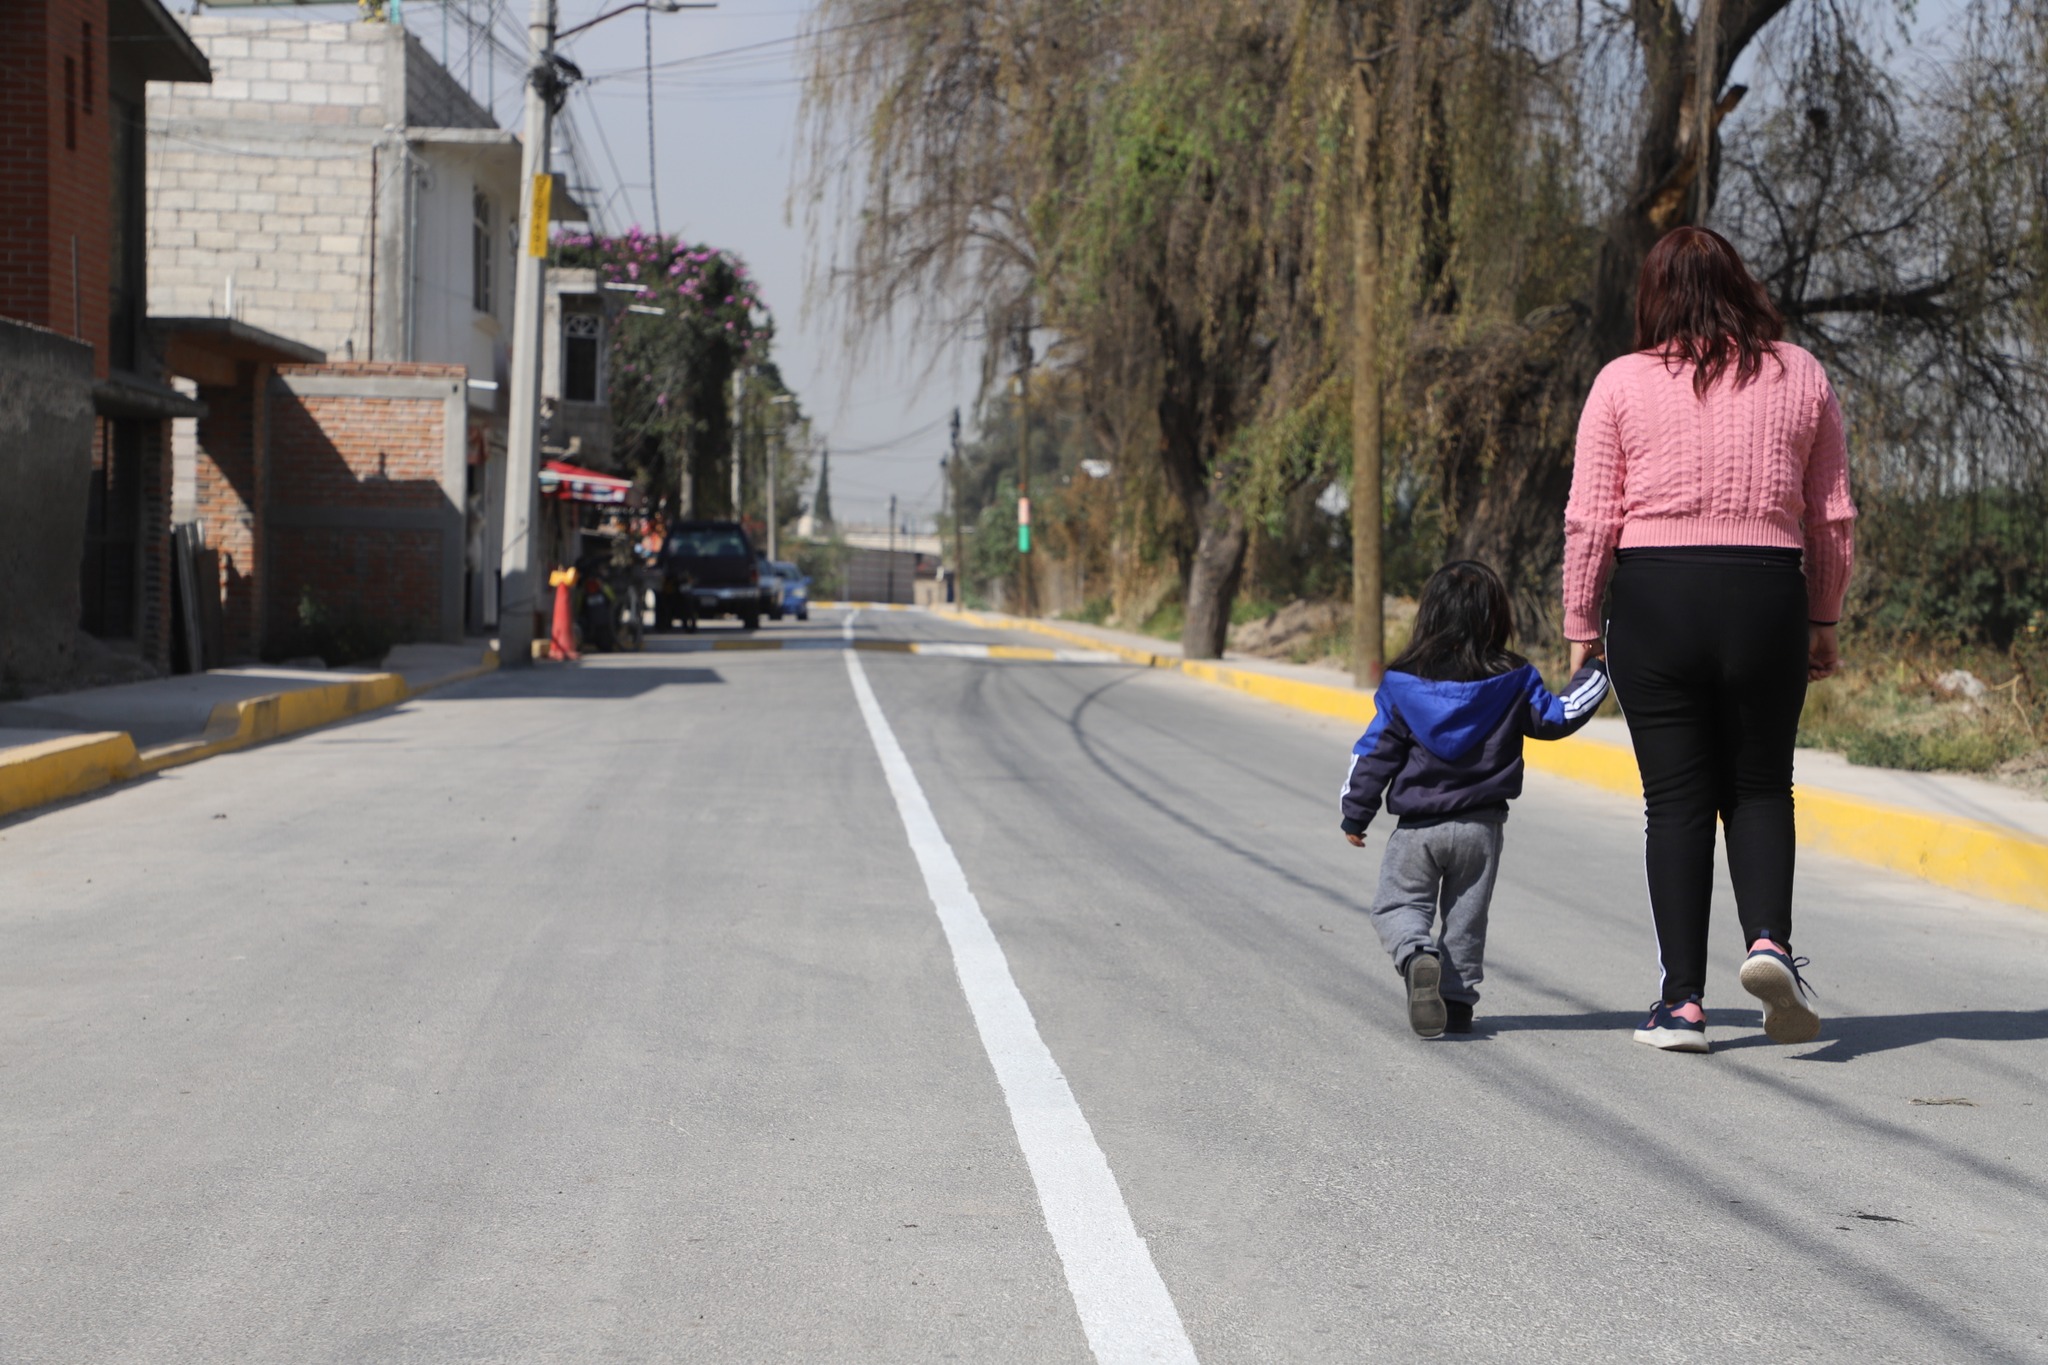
(338, 482)
(72, 260)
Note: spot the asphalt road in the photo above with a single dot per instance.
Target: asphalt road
(604, 1013)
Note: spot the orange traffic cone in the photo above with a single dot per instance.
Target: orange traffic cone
(562, 640)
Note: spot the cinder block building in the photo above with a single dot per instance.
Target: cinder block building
(337, 193)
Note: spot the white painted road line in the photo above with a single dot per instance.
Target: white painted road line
(1124, 1308)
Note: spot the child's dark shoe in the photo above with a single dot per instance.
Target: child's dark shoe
(1457, 1016)
(1424, 975)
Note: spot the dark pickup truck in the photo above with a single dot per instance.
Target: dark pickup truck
(708, 568)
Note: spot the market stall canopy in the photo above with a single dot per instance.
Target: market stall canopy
(573, 484)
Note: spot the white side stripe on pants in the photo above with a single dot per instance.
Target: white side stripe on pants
(1124, 1308)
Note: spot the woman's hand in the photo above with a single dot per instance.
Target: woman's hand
(1823, 653)
(1583, 650)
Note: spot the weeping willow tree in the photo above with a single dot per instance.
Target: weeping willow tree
(1102, 172)
(1287, 245)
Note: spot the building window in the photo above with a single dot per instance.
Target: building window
(580, 335)
(483, 246)
(85, 44)
(70, 104)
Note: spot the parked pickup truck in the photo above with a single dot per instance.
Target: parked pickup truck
(708, 568)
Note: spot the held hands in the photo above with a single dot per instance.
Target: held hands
(1823, 653)
(1583, 650)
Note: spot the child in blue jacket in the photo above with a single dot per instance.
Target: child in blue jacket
(1445, 749)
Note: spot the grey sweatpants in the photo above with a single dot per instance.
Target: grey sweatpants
(1451, 865)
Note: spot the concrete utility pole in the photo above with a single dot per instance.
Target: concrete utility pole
(959, 536)
(547, 84)
(891, 596)
(518, 570)
(1027, 598)
(739, 403)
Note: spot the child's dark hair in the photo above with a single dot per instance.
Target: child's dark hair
(1462, 626)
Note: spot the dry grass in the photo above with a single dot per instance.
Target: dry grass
(1891, 708)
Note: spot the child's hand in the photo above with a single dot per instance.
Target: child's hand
(1355, 840)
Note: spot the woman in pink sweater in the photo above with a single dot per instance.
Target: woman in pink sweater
(1710, 510)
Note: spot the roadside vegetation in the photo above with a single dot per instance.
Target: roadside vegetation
(1206, 251)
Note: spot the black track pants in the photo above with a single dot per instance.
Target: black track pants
(1707, 648)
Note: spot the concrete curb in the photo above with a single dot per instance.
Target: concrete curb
(1980, 859)
(37, 774)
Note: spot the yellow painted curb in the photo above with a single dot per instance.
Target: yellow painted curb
(1965, 855)
(1983, 860)
(34, 774)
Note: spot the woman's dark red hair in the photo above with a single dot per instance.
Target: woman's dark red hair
(1697, 303)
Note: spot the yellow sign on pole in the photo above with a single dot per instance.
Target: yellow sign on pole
(537, 229)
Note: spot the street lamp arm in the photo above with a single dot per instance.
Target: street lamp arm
(658, 6)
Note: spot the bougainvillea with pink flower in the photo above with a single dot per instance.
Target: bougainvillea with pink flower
(671, 373)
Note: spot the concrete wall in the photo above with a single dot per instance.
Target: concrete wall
(46, 431)
(293, 173)
(447, 326)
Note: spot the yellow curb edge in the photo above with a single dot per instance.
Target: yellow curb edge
(1965, 855)
(54, 770)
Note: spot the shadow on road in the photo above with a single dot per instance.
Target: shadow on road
(584, 682)
(1853, 1036)
(1845, 1038)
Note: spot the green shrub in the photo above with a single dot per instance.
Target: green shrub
(339, 637)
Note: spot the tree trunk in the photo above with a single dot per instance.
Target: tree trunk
(1213, 575)
(1368, 628)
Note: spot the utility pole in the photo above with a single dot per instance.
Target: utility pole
(959, 536)
(1027, 598)
(518, 568)
(1368, 624)
(547, 85)
(739, 402)
(773, 454)
(891, 595)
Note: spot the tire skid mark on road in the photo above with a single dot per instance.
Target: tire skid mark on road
(1125, 1310)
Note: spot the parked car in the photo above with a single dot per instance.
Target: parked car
(796, 590)
(771, 587)
(708, 568)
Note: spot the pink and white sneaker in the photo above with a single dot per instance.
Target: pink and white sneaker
(1771, 974)
(1676, 1028)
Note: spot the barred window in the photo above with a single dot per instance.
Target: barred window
(580, 335)
(482, 251)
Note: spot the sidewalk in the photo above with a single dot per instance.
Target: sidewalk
(1964, 832)
(70, 743)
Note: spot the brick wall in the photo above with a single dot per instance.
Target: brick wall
(153, 616)
(51, 193)
(359, 511)
(225, 502)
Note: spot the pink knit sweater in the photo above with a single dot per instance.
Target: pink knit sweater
(1763, 464)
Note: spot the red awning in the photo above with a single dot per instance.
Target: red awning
(573, 484)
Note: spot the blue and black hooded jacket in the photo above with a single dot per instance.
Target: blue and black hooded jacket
(1442, 749)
